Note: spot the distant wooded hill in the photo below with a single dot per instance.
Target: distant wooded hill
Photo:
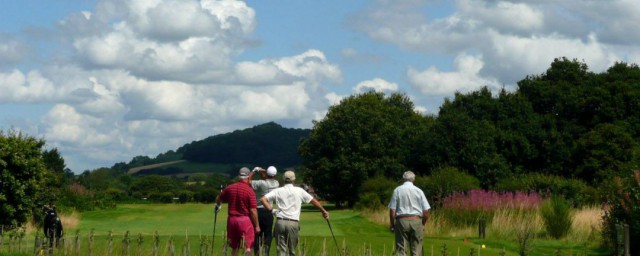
(261, 145)
(265, 144)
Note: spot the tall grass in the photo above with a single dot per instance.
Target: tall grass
(466, 209)
(556, 214)
(504, 221)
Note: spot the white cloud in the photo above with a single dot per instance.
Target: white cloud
(68, 126)
(504, 16)
(172, 20)
(189, 41)
(311, 66)
(333, 98)
(377, 84)
(514, 57)
(12, 50)
(515, 38)
(465, 78)
(31, 87)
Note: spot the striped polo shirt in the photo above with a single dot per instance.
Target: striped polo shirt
(240, 197)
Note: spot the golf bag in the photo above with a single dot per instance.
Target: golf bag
(52, 226)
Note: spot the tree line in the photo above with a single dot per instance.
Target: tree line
(567, 122)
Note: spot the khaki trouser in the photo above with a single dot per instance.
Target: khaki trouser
(286, 234)
(409, 233)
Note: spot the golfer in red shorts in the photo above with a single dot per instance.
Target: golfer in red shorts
(243, 215)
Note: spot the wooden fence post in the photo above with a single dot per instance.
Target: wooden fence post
(76, 243)
(619, 242)
(91, 242)
(482, 226)
(627, 247)
(140, 241)
(110, 243)
(156, 243)
(125, 244)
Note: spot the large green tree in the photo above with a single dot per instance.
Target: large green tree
(21, 172)
(55, 177)
(364, 136)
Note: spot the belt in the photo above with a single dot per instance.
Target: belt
(287, 219)
(409, 217)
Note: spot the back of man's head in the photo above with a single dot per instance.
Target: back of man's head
(289, 177)
(409, 176)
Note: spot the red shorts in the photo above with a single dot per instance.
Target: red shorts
(240, 228)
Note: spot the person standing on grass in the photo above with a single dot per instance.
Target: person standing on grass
(289, 200)
(266, 184)
(408, 212)
(242, 214)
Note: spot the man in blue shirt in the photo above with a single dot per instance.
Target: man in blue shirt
(408, 212)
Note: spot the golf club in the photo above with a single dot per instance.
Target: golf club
(213, 237)
(334, 238)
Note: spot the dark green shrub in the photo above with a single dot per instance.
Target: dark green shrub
(116, 194)
(369, 201)
(445, 181)
(185, 196)
(375, 193)
(576, 192)
(206, 195)
(161, 197)
(556, 213)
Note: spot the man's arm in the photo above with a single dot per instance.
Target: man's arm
(392, 219)
(254, 219)
(266, 203)
(425, 216)
(250, 177)
(325, 213)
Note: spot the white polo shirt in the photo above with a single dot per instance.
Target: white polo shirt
(408, 200)
(289, 199)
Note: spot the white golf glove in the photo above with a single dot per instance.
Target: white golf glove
(256, 169)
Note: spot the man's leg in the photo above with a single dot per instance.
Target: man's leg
(262, 244)
(280, 231)
(267, 230)
(402, 237)
(293, 229)
(248, 233)
(258, 246)
(416, 235)
(233, 234)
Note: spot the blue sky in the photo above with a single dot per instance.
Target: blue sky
(106, 80)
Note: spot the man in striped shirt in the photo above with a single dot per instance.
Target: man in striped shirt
(243, 216)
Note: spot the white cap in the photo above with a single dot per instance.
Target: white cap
(271, 171)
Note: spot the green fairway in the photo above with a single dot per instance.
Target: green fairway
(175, 223)
(353, 233)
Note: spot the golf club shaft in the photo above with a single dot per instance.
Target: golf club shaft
(334, 237)
(213, 237)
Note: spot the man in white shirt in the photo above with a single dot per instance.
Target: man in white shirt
(408, 212)
(289, 200)
(266, 184)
